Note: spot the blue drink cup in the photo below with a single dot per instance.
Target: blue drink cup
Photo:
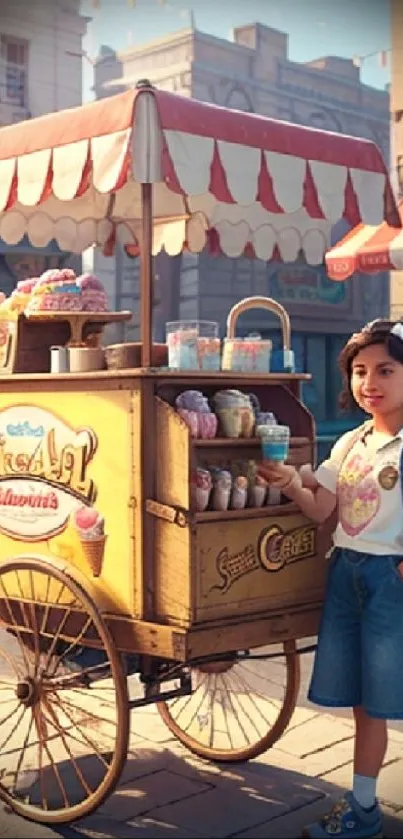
(275, 441)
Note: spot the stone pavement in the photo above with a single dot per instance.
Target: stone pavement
(167, 793)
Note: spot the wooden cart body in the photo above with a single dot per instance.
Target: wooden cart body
(172, 582)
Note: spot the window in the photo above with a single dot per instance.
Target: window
(13, 70)
(239, 100)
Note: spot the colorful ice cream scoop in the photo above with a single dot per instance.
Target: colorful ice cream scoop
(201, 484)
(192, 400)
(222, 483)
(239, 493)
(89, 523)
(258, 492)
(88, 282)
(191, 420)
(90, 526)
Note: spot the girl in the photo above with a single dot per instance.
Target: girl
(359, 659)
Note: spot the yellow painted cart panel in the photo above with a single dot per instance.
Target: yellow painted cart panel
(60, 452)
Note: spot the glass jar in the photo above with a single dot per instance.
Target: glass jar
(193, 345)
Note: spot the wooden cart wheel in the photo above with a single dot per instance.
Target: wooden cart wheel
(64, 711)
(239, 706)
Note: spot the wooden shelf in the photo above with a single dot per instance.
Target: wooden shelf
(247, 513)
(242, 442)
(207, 377)
(90, 317)
(78, 320)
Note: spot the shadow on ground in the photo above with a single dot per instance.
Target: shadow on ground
(162, 795)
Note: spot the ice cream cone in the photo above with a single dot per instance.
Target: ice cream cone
(93, 550)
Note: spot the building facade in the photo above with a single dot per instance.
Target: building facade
(254, 73)
(396, 121)
(40, 71)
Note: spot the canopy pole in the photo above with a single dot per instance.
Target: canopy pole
(146, 274)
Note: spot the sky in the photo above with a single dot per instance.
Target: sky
(315, 27)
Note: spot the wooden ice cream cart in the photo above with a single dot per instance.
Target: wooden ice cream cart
(205, 608)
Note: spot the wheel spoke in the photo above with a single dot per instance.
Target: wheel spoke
(56, 773)
(37, 714)
(213, 696)
(5, 600)
(259, 695)
(14, 729)
(243, 709)
(89, 714)
(56, 638)
(225, 715)
(23, 750)
(200, 705)
(55, 722)
(72, 645)
(86, 740)
(229, 695)
(35, 624)
(48, 605)
(257, 675)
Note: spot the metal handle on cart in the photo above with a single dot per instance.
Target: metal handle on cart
(260, 303)
(174, 515)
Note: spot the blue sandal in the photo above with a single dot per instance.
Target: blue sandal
(347, 820)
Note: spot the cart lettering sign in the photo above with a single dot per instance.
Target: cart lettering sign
(43, 472)
(231, 567)
(278, 548)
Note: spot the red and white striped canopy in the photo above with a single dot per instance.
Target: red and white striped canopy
(367, 249)
(247, 183)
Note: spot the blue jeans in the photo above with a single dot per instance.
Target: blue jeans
(359, 660)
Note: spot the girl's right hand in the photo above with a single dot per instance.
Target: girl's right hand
(279, 475)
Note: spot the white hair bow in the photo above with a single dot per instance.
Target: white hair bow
(397, 330)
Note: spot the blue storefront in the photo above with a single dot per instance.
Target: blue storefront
(323, 315)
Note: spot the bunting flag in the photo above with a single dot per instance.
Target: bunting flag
(130, 3)
(383, 58)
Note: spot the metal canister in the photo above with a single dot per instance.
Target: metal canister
(59, 360)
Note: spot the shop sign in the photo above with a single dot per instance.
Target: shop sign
(43, 472)
(303, 284)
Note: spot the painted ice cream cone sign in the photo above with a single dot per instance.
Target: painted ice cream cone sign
(44, 476)
(59, 478)
(90, 526)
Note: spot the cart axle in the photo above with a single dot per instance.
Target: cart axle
(152, 694)
(27, 692)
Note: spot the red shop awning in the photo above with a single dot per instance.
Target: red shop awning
(367, 249)
(258, 185)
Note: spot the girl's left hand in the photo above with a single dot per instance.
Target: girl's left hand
(400, 569)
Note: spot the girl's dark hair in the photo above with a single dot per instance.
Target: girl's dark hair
(376, 332)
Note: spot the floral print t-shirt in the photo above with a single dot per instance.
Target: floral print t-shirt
(366, 480)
